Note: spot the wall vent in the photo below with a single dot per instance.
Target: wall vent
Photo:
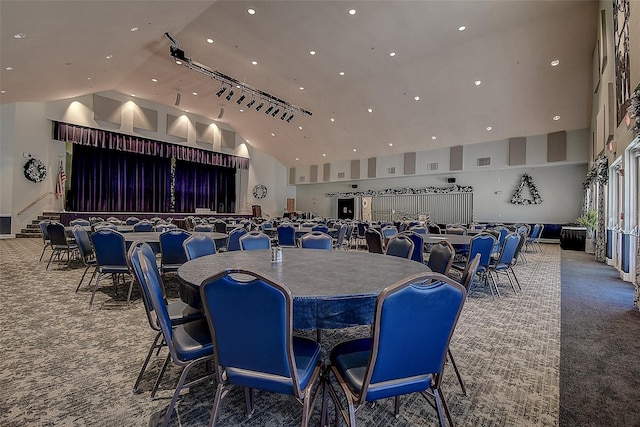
(391, 171)
(432, 166)
(340, 175)
(483, 161)
(301, 179)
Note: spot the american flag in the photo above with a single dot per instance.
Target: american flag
(62, 177)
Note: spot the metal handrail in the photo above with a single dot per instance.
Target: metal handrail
(36, 201)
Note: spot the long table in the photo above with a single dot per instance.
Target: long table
(331, 289)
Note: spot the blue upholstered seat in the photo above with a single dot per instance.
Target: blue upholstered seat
(198, 245)
(59, 243)
(251, 322)
(316, 240)
(286, 235)
(172, 254)
(111, 256)
(505, 261)
(234, 238)
(255, 240)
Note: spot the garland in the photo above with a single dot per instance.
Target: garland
(517, 196)
(634, 110)
(599, 172)
(172, 190)
(403, 191)
(35, 170)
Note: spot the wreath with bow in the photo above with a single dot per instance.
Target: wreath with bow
(35, 170)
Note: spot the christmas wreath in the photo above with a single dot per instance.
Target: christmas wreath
(35, 170)
(517, 196)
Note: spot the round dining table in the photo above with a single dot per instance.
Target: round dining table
(330, 289)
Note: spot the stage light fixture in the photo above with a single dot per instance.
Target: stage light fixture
(229, 84)
(221, 91)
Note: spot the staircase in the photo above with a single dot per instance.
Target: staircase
(33, 229)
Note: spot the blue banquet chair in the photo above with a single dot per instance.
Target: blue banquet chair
(198, 245)
(418, 246)
(251, 321)
(504, 262)
(383, 366)
(45, 235)
(143, 226)
(400, 246)
(87, 255)
(286, 235)
(441, 257)
(255, 240)
(111, 256)
(374, 241)
(189, 343)
(60, 244)
(233, 243)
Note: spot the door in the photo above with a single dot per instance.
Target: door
(345, 208)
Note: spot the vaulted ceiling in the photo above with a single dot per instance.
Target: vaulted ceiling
(362, 98)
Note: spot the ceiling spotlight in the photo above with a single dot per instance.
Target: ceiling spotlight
(284, 116)
(229, 95)
(275, 113)
(462, 28)
(250, 104)
(269, 110)
(241, 99)
(555, 63)
(221, 91)
(478, 82)
(290, 118)
(556, 118)
(259, 107)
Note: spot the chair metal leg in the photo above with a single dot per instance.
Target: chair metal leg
(42, 254)
(160, 375)
(146, 360)
(50, 258)
(93, 294)
(220, 391)
(172, 405)
(455, 368)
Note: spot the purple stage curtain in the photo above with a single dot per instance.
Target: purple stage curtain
(116, 181)
(203, 186)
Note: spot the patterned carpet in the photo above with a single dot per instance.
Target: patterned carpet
(66, 364)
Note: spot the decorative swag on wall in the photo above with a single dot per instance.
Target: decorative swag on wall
(115, 172)
(403, 191)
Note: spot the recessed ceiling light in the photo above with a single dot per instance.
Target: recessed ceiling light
(19, 35)
(109, 56)
(434, 137)
(312, 52)
(332, 119)
(195, 93)
(391, 144)
(392, 54)
(9, 68)
(324, 154)
(462, 28)
(134, 29)
(354, 150)
(555, 62)
(370, 110)
(254, 62)
(178, 62)
(297, 158)
(209, 40)
(352, 12)
(133, 94)
(3, 91)
(273, 134)
(241, 110)
(153, 80)
(489, 128)
(341, 73)
(478, 82)
(416, 98)
(88, 78)
(556, 118)
(186, 110)
(251, 11)
(301, 87)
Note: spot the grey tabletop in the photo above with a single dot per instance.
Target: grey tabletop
(331, 289)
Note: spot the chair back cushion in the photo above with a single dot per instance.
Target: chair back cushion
(441, 257)
(482, 244)
(110, 249)
(470, 271)
(171, 249)
(418, 245)
(286, 235)
(320, 227)
(402, 311)
(374, 241)
(255, 240)
(234, 238)
(57, 235)
(509, 247)
(83, 242)
(316, 240)
(250, 318)
(400, 246)
(198, 245)
(143, 226)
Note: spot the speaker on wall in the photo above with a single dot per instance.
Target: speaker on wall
(354, 185)
(451, 180)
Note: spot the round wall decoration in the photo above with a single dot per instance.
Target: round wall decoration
(259, 191)
(35, 170)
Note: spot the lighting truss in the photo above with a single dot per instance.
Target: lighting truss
(245, 89)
